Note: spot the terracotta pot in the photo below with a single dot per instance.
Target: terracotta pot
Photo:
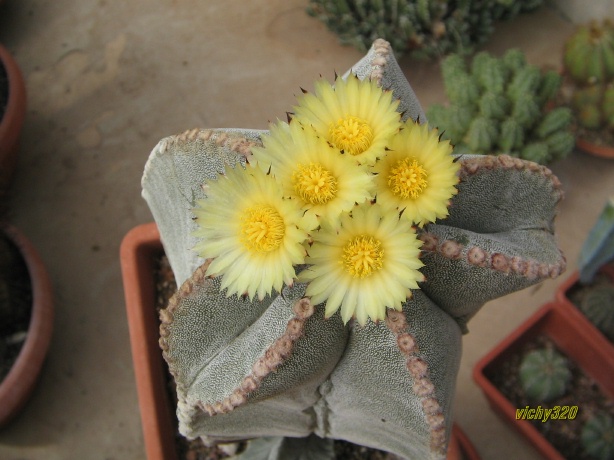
(138, 252)
(12, 120)
(572, 338)
(140, 249)
(18, 385)
(602, 151)
(563, 299)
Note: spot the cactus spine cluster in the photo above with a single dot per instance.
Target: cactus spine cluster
(544, 374)
(277, 367)
(598, 437)
(500, 105)
(421, 28)
(589, 62)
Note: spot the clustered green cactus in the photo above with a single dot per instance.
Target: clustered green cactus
(422, 28)
(277, 367)
(544, 374)
(589, 62)
(501, 105)
(598, 437)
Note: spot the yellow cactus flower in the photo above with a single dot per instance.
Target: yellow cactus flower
(356, 117)
(370, 262)
(417, 175)
(312, 173)
(252, 234)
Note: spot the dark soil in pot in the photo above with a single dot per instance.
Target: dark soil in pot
(15, 303)
(196, 450)
(4, 90)
(582, 392)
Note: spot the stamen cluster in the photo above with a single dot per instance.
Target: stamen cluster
(344, 180)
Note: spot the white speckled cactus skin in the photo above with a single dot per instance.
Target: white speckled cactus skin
(278, 368)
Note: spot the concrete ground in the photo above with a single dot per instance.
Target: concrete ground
(106, 80)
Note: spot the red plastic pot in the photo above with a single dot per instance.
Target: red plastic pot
(12, 120)
(572, 337)
(140, 249)
(17, 386)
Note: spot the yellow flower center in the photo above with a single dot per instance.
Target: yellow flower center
(362, 256)
(407, 179)
(351, 134)
(262, 228)
(314, 184)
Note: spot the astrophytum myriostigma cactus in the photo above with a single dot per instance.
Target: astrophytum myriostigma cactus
(277, 368)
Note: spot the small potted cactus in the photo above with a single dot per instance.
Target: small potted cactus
(598, 436)
(323, 267)
(589, 68)
(551, 379)
(502, 106)
(589, 293)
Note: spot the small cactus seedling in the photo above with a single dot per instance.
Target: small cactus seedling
(544, 374)
(287, 363)
(589, 53)
(598, 437)
(501, 105)
(422, 28)
(598, 306)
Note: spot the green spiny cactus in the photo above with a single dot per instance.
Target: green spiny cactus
(598, 306)
(598, 437)
(502, 106)
(589, 53)
(593, 106)
(422, 28)
(276, 367)
(544, 374)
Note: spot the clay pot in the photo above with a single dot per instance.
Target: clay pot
(138, 253)
(12, 120)
(18, 385)
(140, 249)
(573, 338)
(602, 151)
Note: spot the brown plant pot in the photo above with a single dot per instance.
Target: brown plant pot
(138, 253)
(12, 120)
(602, 151)
(17, 386)
(563, 298)
(572, 338)
(140, 249)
